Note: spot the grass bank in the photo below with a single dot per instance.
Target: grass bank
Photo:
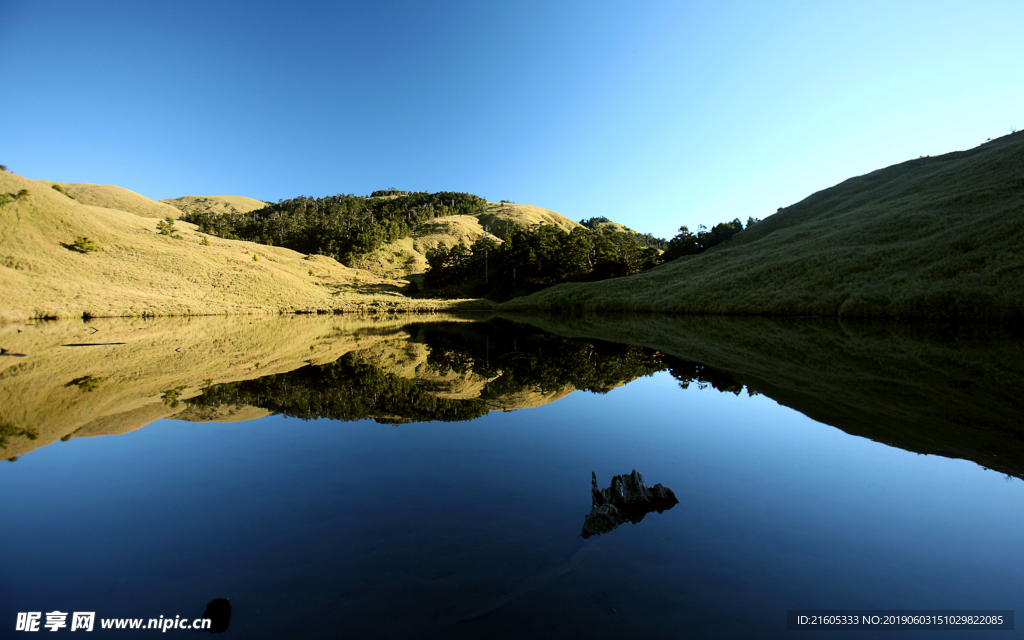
(936, 237)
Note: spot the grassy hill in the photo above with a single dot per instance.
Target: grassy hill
(136, 272)
(111, 197)
(215, 204)
(934, 237)
(407, 256)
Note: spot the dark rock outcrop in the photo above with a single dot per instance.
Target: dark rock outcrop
(218, 612)
(627, 500)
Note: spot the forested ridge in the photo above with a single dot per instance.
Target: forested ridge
(531, 258)
(346, 226)
(340, 226)
(536, 257)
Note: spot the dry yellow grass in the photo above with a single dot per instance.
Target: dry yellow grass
(407, 256)
(137, 272)
(111, 197)
(495, 218)
(613, 226)
(215, 204)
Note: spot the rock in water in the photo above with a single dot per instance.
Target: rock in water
(627, 499)
(218, 612)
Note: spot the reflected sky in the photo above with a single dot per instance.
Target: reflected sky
(402, 531)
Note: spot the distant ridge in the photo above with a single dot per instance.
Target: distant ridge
(407, 256)
(936, 237)
(215, 204)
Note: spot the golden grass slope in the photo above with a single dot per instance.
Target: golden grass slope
(111, 197)
(933, 237)
(215, 204)
(496, 218)
(613, 226)
(407, 256)
(137, 272)
(154, 364)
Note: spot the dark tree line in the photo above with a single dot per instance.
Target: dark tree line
(347, 389)
(519, 357)
(686, 243)
(651, 241)
(516, 358)
(531, 258)
(341, 226)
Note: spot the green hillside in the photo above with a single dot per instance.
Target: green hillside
(934, 237)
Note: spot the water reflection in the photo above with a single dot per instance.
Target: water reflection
(468, 371)
(404, 532)
(949, 391)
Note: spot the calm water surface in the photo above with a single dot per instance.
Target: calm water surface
(404, 528)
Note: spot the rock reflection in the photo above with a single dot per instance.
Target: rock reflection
(627, 499)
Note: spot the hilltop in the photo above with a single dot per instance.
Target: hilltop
(934, 237)
(407, 256)
(215, 204)
(134, 271)
(109, 196)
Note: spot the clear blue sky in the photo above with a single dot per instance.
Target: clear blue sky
(653, 114)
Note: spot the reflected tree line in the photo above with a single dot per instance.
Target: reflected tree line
(514, 359)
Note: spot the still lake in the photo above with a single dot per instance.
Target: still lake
(416, 478)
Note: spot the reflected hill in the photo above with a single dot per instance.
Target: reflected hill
(463, 371)
(135, 371)
(130, 372)
(950, 391)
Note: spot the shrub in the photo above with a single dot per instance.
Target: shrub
(171, 397)
(21, 194)
(3, 168)
(86, 384)
(60, 189)
(83, 244)
(255, 258)
(205, 241)
(166, 228)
